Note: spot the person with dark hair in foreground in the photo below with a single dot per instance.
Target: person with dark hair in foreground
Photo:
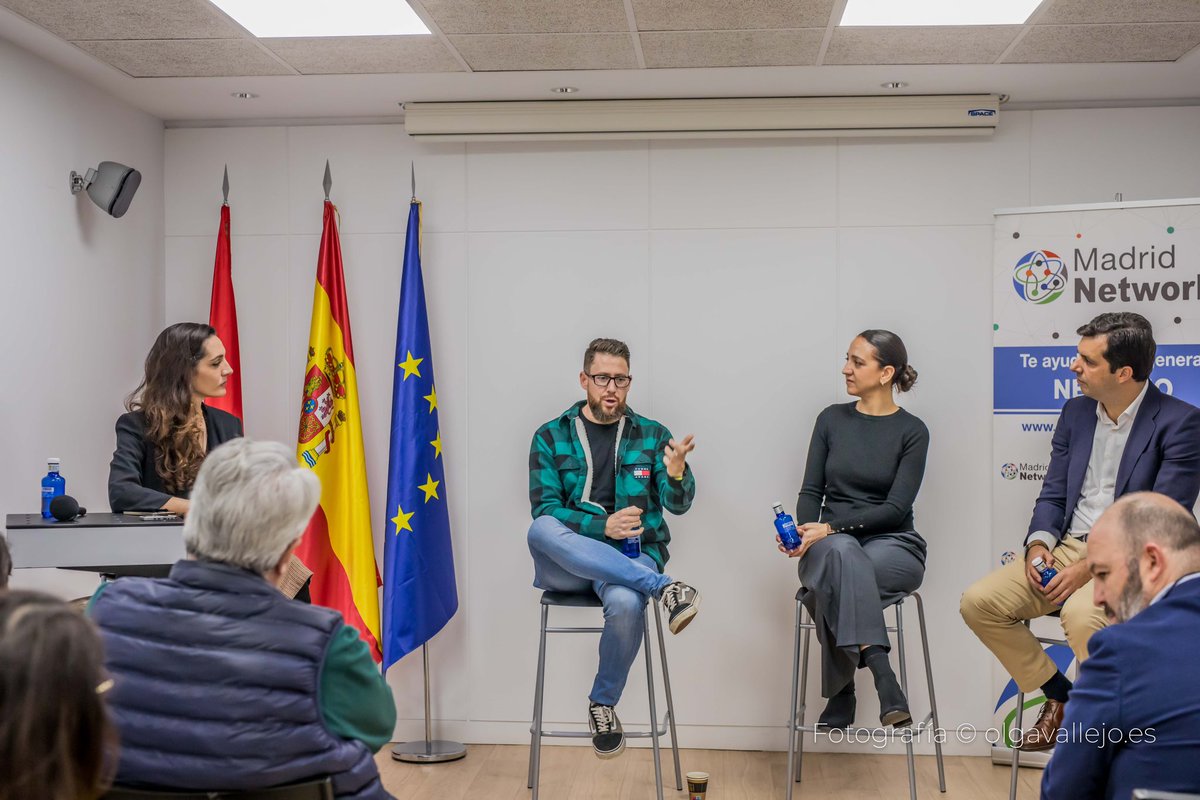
(222, 682)
(56, 742)
(1134, 717)
(600, 475)
(1122, 436)
(859, 551)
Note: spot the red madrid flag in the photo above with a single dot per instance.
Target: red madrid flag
(222, 315)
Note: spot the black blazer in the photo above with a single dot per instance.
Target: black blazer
(133, 482)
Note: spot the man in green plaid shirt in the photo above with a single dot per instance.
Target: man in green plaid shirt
(599, 478)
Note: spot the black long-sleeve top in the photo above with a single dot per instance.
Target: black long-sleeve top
(863, 472)
(133, 482)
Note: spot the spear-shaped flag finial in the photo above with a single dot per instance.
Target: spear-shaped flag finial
(328, 182)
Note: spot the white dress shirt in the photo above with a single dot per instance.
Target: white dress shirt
(1100, 482)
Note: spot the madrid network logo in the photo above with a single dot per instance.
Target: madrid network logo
(1040, 277)
(1009, 472)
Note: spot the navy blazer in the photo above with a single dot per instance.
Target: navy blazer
(133, 480)
(1140, 676)
(1162, 455)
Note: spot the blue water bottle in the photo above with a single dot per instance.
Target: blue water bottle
(632, 546)
(53, 485)
(1046, 572)
(786, 527)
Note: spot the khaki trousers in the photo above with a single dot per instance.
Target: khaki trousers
(995, 607)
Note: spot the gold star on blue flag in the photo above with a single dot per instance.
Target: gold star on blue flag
(419, 591)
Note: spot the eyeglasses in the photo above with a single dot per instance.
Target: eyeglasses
(602, 380)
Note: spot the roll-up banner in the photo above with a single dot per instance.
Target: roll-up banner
(1054, 269)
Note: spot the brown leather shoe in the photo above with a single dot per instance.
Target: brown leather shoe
(1044, 732)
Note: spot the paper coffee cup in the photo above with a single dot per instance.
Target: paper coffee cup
(697, 785)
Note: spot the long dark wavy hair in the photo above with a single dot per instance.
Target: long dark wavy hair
(56, 741)
(165, 397)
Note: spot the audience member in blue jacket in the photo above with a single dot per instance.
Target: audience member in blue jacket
(222, 682)
(1134, 717)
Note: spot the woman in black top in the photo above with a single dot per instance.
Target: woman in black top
(860, 552)
(169, 430)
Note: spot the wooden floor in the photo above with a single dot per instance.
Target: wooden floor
(573, 773)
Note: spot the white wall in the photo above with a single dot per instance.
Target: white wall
(737, 272)
(82, 291)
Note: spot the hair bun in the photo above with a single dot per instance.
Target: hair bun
(908, 377)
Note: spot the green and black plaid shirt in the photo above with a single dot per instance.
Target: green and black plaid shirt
(560, 469)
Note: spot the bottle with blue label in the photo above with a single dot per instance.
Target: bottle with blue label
(53, 485)
(632, 546)
(1046, 572)
(785, 526)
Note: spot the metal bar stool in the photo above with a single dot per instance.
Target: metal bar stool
(1016, 754)
(796, 725)
(536, 732)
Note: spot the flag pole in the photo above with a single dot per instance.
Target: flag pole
(430, 751)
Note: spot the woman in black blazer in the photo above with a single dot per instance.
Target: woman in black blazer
(168, 430)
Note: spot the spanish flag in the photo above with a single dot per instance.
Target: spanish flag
(337, 546)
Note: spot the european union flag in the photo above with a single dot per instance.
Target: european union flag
(419, 592)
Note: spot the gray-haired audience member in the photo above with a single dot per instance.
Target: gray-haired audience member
(222, 683)
(1134, 717)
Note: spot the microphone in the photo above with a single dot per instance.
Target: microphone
(65, 508)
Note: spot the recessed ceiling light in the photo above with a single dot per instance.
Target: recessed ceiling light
(565, 89)
(294, 18)
(938, 12)
(243, 95)
(894, 85)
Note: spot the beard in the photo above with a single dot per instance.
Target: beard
(597, 408)
(1131, 600)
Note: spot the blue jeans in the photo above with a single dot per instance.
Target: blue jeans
(565, 561)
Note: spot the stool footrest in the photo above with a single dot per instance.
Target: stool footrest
(574, 630)
(809, 626)
(894, 733)
(634, 734)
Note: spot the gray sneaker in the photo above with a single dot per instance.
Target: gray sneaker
(608, 738)
(681, 602)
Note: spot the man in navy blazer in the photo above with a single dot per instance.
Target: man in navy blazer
(1122, 436)
(1134, 717)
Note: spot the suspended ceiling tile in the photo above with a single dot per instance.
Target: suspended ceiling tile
(78, 20)
(357, 55)
(546, 51)
(774, 48)
(1070, 12)
(1092, 44)
(966, 44)
(714, 15)
(186, 58)
(528, 16)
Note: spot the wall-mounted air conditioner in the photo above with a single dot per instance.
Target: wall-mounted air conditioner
(743, 117)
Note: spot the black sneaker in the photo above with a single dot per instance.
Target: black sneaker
(681, 603)
(608, 738)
